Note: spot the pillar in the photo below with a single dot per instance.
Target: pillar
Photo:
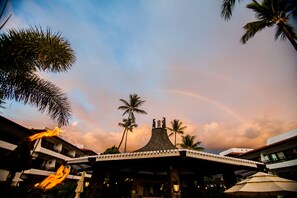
(229, 178)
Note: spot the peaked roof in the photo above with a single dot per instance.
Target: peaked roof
(159, 141)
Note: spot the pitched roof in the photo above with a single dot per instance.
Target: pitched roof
(159, 141)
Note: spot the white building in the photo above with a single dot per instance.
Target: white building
(46, 155)
(279, 154)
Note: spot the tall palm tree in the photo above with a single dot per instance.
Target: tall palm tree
(24, 53)
(132, 106)
(188, 142)
(128, 125)
(129, 108)
(271, 13)
(176, 128)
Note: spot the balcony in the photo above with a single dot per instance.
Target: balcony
(278, 160)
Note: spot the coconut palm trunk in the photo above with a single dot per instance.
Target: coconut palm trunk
(129, 108)
(288, 35)
(120, 144)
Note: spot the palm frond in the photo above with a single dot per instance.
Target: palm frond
(262, 11)
(2, 100)
(188, 142)
(34, 49)
(292, 8)
(227, 8)
(32, 90)
(252, 28)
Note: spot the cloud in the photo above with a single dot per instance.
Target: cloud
(228, 94)
(220, 136)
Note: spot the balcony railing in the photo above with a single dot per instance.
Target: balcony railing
(283, 159)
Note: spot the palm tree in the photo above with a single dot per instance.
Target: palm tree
(24, 53)
(132, 106)
(129, 108)
(188, 142)
(176, 128)
(270, 13)
(128, 125)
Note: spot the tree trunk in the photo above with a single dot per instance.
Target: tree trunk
(126, 142)
(288, 35)
(122, 138)
(174, 138)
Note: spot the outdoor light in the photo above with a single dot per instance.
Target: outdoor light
(87, 184)
(175, 186)
(161, 188)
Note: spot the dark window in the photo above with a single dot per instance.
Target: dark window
(64, 151)
(47, 144)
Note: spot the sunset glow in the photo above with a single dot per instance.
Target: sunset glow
(184, 66)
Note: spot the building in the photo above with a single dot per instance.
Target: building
(233, 152)
(279, 154)
(34, 161)
(159, 169)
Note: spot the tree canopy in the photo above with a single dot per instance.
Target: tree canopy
(24, 53)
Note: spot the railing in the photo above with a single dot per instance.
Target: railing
(283, 159)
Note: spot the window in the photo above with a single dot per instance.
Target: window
(64, 151)
(274, 157)
(47, 144)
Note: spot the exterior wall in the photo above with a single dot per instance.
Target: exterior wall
(279, 155)
(47, 154)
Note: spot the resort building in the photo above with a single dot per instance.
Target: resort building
(34, 161)
(279, 154)
(159, 169)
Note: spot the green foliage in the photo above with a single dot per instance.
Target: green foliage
(24, 53)
(132, 106)
(227, 8)
(269, 13)
(129, 108)
(176, 128)
(111, 150)
(188, 142)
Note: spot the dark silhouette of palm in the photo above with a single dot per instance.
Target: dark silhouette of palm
(188, 142)
(128, 125)
(227, 8)
(129, 108)
(269, 13)
(24, 53)
(176, 128)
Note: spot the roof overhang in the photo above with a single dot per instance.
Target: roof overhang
(184, 153)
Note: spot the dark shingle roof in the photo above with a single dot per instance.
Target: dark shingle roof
(159, 141)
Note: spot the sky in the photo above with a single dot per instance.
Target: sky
(179, 56)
